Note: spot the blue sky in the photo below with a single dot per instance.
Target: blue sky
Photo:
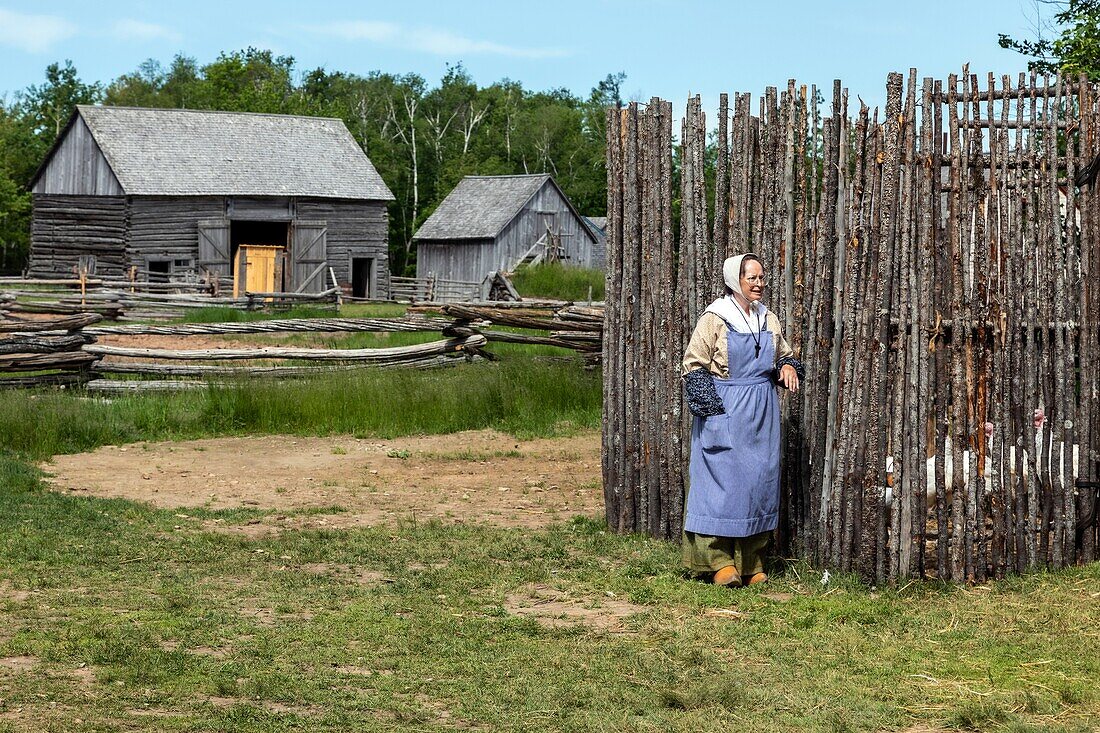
(666, 48)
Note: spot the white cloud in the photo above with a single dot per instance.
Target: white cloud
(428, 40)
(361, 30)
(129, 29)
(33, 33)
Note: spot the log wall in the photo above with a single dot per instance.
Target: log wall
(166, 227)
(66, 228)
(123, 231)
(933, 265)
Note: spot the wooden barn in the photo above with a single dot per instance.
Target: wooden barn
(496, 223)
(291, 201)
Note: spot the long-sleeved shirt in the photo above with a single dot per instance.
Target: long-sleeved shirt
(708, 348)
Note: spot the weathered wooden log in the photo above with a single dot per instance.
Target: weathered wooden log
(512, 317)
(277, 352)
(594, 312)
(284, 325)
(545, 304)
(64, 308)
(70, 323)
(37, 344)
(36, 362)
(1020, 93)
(323, 295)
(275, 372)
(238, 375)
(561, 339)
(45, 380)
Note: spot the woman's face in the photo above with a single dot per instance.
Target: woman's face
(752, 280)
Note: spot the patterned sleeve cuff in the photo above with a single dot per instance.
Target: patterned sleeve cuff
(791, 361)
(701, 395)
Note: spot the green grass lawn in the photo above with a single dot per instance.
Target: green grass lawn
(553, 280)
(219, 314)
(118, 616)
(114, 616)
(528, 398)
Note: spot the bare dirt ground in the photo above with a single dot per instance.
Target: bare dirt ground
(205, 341)
(199, 341)
(554, 608)
(340, 482)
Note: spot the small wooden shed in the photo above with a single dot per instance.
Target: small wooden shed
(496, 223)
(174, 192)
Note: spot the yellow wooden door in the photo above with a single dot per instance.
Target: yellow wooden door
(260, 268)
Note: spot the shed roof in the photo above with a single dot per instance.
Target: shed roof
(480, 207)
(600, 222)
(177, 152)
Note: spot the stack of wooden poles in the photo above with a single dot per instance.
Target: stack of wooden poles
(142, 303)
(575, 327)
(46, 352)
(165, 367)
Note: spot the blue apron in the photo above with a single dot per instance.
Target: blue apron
(734, 489)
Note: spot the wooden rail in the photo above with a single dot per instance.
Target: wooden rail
(398, 353)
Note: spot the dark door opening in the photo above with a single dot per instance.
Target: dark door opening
(159, 270)
(362, 271)
(269, 233)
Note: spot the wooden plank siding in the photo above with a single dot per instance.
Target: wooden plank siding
(64, 228)
(547, 206)
(468, 260)
(78, 167)
(355, 229)
(267, 208)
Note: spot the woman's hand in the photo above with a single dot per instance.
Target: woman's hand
(788, 377)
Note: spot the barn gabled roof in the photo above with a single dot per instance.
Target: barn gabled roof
(480, 207)
(177, 152)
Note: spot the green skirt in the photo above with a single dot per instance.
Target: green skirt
(708, 554)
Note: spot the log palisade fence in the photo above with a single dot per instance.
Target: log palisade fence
(935, 268)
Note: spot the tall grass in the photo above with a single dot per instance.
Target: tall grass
(554, 280)
(531, 399)
(218, 314)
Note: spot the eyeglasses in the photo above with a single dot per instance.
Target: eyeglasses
(755, 280)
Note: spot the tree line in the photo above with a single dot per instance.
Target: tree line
(422, 138)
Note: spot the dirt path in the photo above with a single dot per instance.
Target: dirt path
(223, 341)
(348, 482)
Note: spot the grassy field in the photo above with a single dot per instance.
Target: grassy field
(115, 616)
(120, 616)
(217, 314)
(552, 280)
(526, 399)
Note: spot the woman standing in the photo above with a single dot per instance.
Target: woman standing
(736, 355)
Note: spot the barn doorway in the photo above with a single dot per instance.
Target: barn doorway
(362, 277)
(264, 233)
(259, 266)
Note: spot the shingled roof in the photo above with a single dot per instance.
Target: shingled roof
(176, 152)
(480, 207)
(600, 222)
